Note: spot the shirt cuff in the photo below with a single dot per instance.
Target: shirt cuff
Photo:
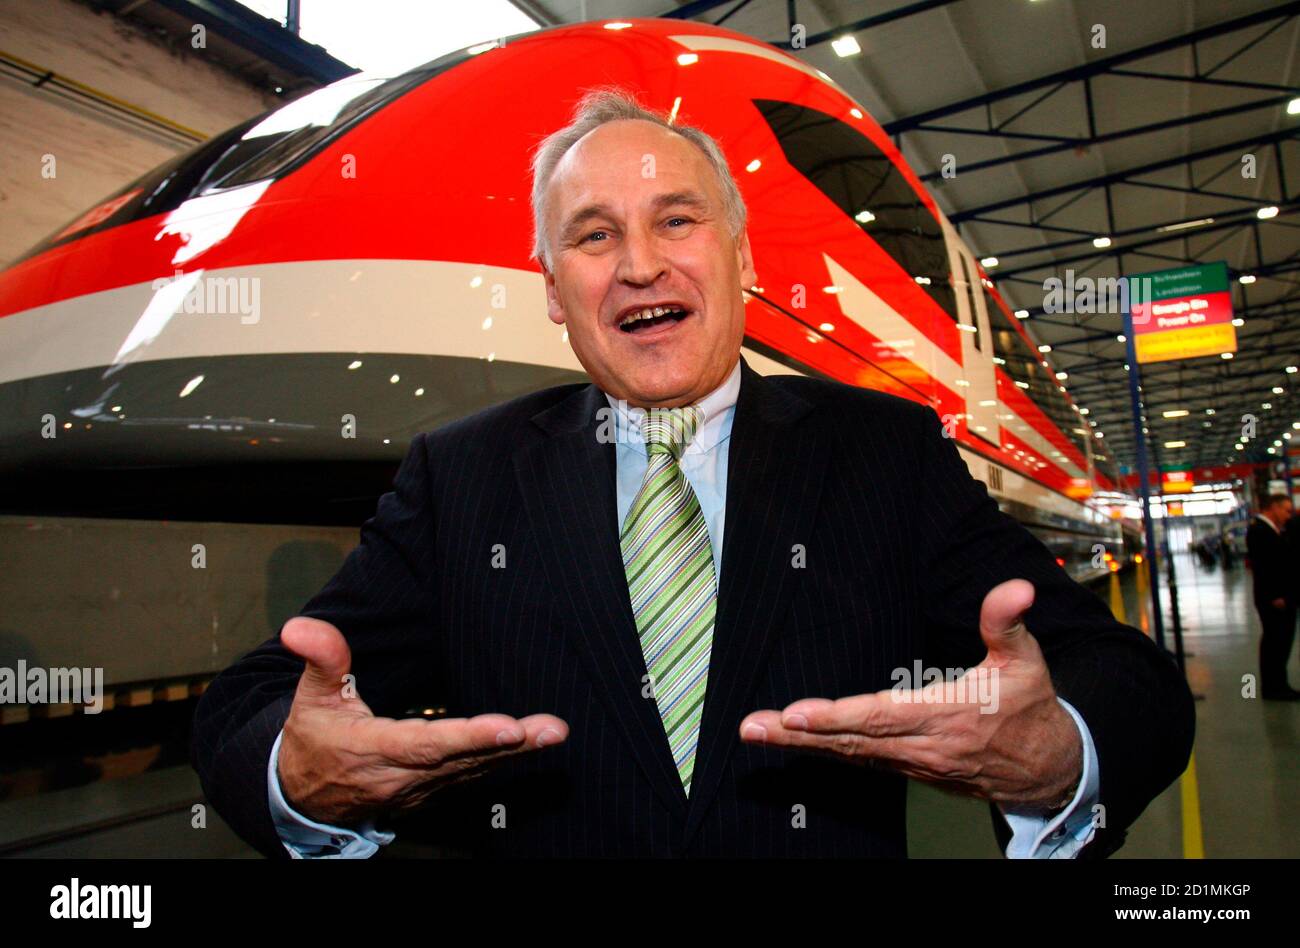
(1038, 836)
(305, 838)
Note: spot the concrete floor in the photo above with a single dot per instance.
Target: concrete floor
(1247, 765)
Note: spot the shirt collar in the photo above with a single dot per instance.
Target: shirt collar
(713, 406)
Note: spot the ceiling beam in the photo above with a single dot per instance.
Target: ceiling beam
(1097, 67)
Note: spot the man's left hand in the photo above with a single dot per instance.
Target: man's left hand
(1027, 752)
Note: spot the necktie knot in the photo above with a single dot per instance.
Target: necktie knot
(669, 430)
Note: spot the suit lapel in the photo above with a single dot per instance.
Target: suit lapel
(567, 480)
(775, 471)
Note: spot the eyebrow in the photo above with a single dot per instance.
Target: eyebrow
(660, 202)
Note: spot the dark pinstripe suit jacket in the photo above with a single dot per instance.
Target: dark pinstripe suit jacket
(900, 545)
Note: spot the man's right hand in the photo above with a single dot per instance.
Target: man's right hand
(340, 764)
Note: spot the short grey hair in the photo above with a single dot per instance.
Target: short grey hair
(611, 104)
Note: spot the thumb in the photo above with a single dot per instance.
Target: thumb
(326, 653)
(1002, 621)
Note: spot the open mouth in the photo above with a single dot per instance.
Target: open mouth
(651, 319)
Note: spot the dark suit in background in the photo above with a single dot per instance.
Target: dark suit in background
(1273, 563)
(900, 546)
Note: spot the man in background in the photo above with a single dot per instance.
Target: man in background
(1272, 563)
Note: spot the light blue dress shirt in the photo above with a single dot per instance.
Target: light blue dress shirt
(704, 463)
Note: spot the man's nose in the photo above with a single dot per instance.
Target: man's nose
(642, 262)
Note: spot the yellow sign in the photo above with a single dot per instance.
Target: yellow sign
(1185, 343)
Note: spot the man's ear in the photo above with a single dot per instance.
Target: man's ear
(554, 309)
(745, 258)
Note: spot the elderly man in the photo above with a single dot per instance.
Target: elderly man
(685, 610)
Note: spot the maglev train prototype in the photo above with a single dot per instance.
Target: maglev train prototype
(253, 332)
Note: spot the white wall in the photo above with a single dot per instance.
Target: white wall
(94, 154)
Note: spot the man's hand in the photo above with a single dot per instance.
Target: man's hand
(1027, 752)
(340, 764)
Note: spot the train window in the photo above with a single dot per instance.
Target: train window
(860, 179)
(271, 145)
(1025, 366)
(972, 297)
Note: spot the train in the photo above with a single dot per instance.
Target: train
(208, 378)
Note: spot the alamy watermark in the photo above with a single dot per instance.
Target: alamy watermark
(977, 685)
(23, 685)
(1092, 295)
(195, 293)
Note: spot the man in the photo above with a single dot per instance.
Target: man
(1272, 564)
(678, 611)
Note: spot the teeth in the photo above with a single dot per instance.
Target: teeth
(648, 313)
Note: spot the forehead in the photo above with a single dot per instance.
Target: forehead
(628, 158)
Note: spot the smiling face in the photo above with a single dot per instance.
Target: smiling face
(637, 222)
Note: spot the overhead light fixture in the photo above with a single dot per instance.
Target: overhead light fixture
(988, 263)
(1101, 243)
(864, 216)
(1176, 413)
(1021, 314)
(846, 46)
(1239, 322)
(1278, 390)
(1246, 279)
(1184, 225)
(1293, 107)
(1121, 338)
(1267, 213)
(1175, 444)
(1044, 348)
(1225, 355)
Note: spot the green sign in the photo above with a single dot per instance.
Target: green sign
(1183, 281)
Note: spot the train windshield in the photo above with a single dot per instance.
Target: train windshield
(263, 148)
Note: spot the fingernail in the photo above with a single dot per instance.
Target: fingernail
(508, 737)
(754, 732)
(794, 722)
(548, 736)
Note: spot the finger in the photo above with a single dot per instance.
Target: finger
(415, 743)
(764, 727)
(1002, 621)
(881, 714)
(326, 652)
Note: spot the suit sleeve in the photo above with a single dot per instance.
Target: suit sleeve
(381, 600)
(1129, 692)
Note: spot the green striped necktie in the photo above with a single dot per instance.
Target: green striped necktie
(669, 565)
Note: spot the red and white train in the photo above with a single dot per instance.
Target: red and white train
(194, 341)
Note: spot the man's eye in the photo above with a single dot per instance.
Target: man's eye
(594, 233)
(684, 220)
